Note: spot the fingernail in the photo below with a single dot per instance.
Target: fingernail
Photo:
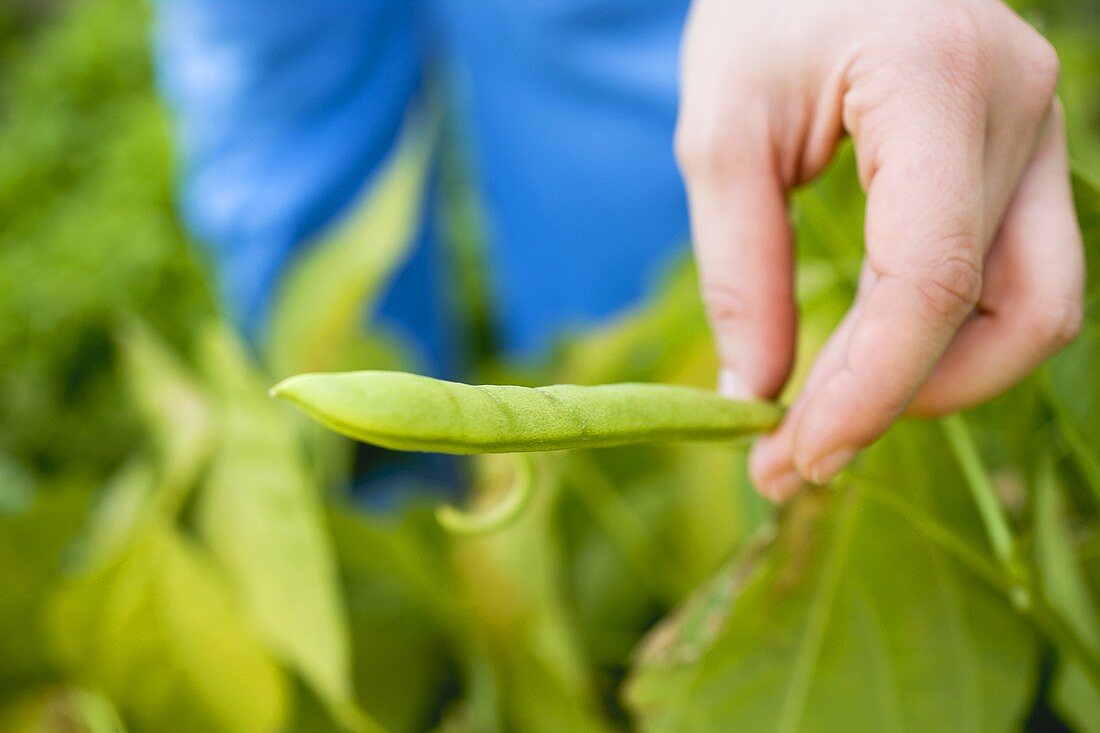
(825, 468)
(780, 487)
(730, 384)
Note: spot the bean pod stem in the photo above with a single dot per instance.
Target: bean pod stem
(498, 516)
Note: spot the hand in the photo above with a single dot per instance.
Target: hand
(974, 271)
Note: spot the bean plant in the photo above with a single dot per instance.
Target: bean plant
(189, 554)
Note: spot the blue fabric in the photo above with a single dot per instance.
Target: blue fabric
(285, 109)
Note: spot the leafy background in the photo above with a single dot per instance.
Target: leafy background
(179, 553)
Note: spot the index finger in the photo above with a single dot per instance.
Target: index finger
(926, 242)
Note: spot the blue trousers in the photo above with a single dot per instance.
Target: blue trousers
(286, 108)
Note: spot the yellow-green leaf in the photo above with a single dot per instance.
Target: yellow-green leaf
(319, 313)
(1067, 589)
(260, 512)
(174, 407)
(157, 630)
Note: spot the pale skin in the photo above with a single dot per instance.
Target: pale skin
(974, 269)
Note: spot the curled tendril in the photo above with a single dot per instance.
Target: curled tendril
(500, 515)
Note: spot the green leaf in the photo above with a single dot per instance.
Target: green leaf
(514, 585)
(123, 509)
(17, 486)
(59, 709)
(1070, 382)
(620, 533)
(260, 512)
(156, 629)
(32, 547)
(1064, 583)
(638, 346)
(89, 230)
(851, 618)
(402, 617)
(318, 314)
(1086, 198)
(828, 216)
(174, 407)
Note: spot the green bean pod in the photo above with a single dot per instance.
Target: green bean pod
(414, 413)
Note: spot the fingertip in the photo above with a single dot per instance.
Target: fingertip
(781, 487)
(756, 353)
(767, 457)
(822, 470)
(733, 386)
(835, 425)
(770, 467)
(935, 400)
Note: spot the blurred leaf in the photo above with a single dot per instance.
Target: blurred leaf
(174, 408)
(318, 316)
(636, 345)
(1067, 589)
(622, 574)
(411, 548)
(851, 618)
(32, 547)
(87, 231)
(716, 508)
(1070, 379)
(402, 617)
(408, 559)
(17, 486)
(59, 709)
(123, 509)
(260, 512)
(157, 630)
(1086, 197)
(515, 589)
(828, 217)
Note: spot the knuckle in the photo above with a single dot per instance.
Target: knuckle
(1043, 68)
(1058, 114)
(951, 286)
(954, 35)
(718, 140)
(952, 45)
(1056, 322)
(693, 148)
(703, 152)
(726, 304)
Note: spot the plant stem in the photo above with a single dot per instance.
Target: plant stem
(981, 489)
(1045, 617)
(1066, 638)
